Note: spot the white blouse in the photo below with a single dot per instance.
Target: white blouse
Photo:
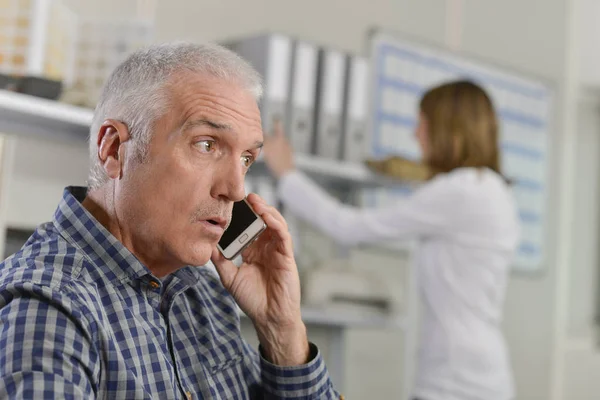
(466, 222)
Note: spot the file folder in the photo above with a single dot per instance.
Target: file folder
(270, 55)
(300, 127)
(329, 103)
(357, 140)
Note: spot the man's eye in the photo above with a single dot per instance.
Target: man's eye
(247, 161)
(206, 146)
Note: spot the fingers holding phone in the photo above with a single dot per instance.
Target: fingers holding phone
(266, 285)
(276, 224)
(250, 217)
(245, 226)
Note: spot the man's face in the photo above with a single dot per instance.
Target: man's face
(177, 203)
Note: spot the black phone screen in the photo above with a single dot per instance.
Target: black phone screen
(241, 218)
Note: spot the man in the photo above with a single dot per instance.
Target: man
(102, 302)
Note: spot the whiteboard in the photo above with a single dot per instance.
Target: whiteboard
(403, 70)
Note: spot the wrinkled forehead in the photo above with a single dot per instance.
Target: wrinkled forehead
(201, 96)
(187, 87)
(182, 82)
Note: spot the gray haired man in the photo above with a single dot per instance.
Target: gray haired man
(103, 301)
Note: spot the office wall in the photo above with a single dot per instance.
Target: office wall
(581, 349)
(589, 30)
(584, 282)
(41, 169)
(582, 363)
(527, 35)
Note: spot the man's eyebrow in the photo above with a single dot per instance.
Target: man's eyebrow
(215, 125)
(206, 122)
(258, 144)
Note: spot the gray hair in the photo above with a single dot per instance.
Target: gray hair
(135, 93)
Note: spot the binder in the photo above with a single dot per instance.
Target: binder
(300, 127)
(357, 141)
(270, 55)
(329, 103)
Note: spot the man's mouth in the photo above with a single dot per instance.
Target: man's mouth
(218, 221)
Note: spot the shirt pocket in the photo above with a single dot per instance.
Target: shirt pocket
(228, 380)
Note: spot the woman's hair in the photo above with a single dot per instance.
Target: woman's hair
(462, 127)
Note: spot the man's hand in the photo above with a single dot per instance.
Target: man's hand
(267, 288)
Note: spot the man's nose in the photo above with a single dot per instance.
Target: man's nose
(229, 181)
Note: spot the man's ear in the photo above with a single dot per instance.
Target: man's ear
(111, 136)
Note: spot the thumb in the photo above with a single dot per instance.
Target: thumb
(225, 268)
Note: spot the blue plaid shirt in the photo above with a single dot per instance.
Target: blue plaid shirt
(82, 318)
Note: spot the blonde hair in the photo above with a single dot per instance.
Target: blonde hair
(462, 128)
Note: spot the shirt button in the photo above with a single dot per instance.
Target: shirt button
(154, 284)
(189, 395)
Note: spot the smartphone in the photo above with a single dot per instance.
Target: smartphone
(244, 228)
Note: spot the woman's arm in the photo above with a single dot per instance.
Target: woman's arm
(426, 212)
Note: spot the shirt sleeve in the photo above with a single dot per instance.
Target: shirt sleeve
(45, 352)
(307, 382)
(428, 211)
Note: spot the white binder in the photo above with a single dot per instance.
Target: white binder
(356, 135)
(329, 104)
(300, 127)
(270, 55)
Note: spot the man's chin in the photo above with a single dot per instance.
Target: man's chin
(201, 255)
(201, 261)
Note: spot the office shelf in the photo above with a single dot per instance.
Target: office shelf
(28, 115)
(22, 114)
(335, 172)
(349, 173)
(349, 319)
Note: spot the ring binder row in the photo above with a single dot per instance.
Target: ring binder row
(320, 94)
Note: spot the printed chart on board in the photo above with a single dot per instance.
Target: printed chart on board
(402, 71)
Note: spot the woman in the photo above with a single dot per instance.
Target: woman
(466, 222)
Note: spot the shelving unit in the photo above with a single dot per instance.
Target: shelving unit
(348, 173)
(27, 115)
(23, 115)
(337, 324)
(317, 316)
